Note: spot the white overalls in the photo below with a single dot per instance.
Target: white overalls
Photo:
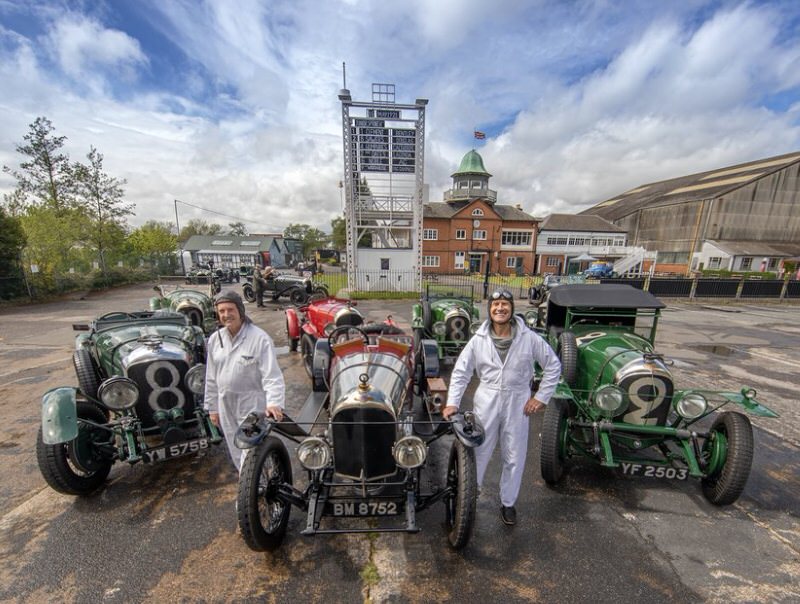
(242, 375)
(501, 396)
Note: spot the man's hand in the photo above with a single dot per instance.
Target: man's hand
(214, 417)
(533, 405)
(275, 412)
(447, 412)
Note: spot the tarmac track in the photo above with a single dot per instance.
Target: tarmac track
(168, 532)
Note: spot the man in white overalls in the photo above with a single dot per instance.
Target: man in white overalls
(502, 353)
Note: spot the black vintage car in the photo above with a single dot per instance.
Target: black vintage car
(363, 437)
(280, 285)
(140, 380)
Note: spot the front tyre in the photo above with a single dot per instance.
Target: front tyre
(77, 467)
(554, 431)
(730, 448)
(248, 293)
(298, 296)
(568, 355)
(462, 480)
(307, 350)
(262, 516)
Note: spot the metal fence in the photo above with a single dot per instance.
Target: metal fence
(676, 287)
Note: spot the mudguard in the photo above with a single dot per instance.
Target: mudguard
(155, 303)
(253, 429)
(59, 416)
(747, 399)
(468, 429)
(292, 323)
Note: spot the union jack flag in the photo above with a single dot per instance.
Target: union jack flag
(480, 135)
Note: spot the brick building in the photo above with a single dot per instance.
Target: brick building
(470, 231)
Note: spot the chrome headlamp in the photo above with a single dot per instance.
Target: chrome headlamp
(531, 317)
(691, 405)
(610, 399)
(439, 328)
(196, 379)
(314, 453)
(118, 393)
(410, 452)
(474, 327)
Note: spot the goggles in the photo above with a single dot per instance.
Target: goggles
(502, 294)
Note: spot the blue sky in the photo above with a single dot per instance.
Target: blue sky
(233, 106)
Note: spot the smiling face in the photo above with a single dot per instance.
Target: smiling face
(229, 317)
(500, 311)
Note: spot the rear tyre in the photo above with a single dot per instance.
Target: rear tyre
(86, 372)
(298, 296)
(262, 516)
(554, 429)
(568, 354)
(307, 350)
(462, 479)
(195, 316)
(76, 467)
(248, 293)
(427, 316)
(725, 485)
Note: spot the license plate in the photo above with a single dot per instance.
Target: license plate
(363, 507)
(648, 471)
(176, 450)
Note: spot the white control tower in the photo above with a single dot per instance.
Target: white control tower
(384, 153)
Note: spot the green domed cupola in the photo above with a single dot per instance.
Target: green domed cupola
(471, 164)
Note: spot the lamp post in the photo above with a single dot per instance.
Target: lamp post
(178, 227)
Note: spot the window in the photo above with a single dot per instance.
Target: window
(479, 234)
(516, 238)
(553, 261)
(746, 264)
(476, 184)
(477, 212)
(430, 234)
(461, 233)
(384, 264)
(773, 264)
(513, 262)
(459, 261)
(430, 261)
(619, 240)
(578, 241)
(714, 262)
(226, 242)
(556, 240)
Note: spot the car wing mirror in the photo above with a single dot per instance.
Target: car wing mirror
(80, 327)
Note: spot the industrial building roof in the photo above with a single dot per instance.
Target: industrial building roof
(757, 248)
(572, 222)
(704, 185)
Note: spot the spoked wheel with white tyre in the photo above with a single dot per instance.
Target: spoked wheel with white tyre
(462, 481)
(263, 516)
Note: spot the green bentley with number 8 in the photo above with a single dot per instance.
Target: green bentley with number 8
(141, 378)
(617, 405)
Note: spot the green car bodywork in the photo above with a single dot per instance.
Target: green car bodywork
(448, 315)
(617, 405)
(139, 398)
(197, 305)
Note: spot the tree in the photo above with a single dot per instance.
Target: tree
(12, 240)
(102, 196)
(154, 241)
(311, 237)
(238, 229)
(339, 233)
(198, 226)
(46, 189)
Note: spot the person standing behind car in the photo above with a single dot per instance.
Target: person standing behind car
(502, 352)
(258, 286)
(242, 373)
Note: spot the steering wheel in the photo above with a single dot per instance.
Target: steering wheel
(346, 330)
(118, 315)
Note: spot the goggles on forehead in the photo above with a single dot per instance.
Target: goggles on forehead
(501, 294)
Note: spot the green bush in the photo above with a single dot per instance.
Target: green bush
(721, 274)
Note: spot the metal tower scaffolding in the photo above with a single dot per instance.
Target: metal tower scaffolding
(384, 158)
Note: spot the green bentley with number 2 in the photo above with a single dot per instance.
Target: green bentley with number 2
(617, 404)
(141, 378)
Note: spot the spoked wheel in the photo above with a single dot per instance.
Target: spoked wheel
(298, 296)
(76, 467)
(307, 350)
(462, 480)
(262, 516)
(729, 452)
(554, 431)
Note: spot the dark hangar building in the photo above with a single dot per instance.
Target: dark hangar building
(740, 218)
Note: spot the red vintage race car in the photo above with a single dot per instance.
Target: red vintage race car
(319, 318)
